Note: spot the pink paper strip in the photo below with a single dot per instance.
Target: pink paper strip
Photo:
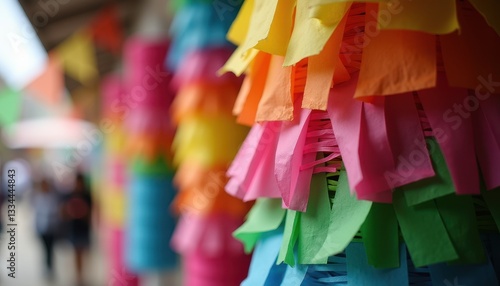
(345, 114)
(288, 160)
(486, 124)
(407, 141)
(452, 127)
(375, 153)
(249, 172)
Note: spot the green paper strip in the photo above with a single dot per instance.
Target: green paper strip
(265, 215)
(492, 199)
(381, 237)
(290, 235)
(423, 231)
(314, 222)
(438, 186)
(346, 218)
(459, 217)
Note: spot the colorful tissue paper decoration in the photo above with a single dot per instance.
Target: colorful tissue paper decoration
(205, 143)
(375, 144)
(113, 195)
(150, 224)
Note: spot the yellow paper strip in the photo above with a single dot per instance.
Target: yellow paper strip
(311, 34)
(435, 17)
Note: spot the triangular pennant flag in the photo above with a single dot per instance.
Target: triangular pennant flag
(107, 31)
(78, 57)
(10, 102)
(49, 85)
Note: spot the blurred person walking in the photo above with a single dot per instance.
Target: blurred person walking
(46, 204)
(77, 212)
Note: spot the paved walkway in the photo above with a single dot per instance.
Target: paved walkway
(29, 270)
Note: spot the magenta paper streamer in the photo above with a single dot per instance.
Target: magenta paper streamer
(215, 270)
(453, 133)
(249, 172)
(211, 255)
(487, 140)
(374, 151)
(407, 141)
(345, 114)
(289, 155)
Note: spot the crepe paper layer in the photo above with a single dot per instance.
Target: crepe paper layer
(265, 216)
(359, 272)
(263, 269)
(209, 235)
(381, 237)
(201, 192)
(485, 273)
(437, 229)
(204, 99)
(149, 135)
(379, 149)
(346, 217)
(207, 139)
(431, 188)
(146, 83)
(318, 233)
(351, 267)
(417, 50)
(249, 173)
(251, 91)
(113, 198)
(209, 270)
(143, 67)
(414, 142)
(441, 230)
(295, 148)
(361, 46)
(314, 225)
(468, 62)
(196, 27)
(149, 226)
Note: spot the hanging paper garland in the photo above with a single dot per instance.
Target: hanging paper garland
(362, 105)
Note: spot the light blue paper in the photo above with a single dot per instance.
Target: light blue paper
(263, 268)
(359, 272)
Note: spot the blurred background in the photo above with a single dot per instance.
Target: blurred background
(55, 56)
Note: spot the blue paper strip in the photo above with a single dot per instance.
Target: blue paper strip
(359, 272)
(263, 268)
